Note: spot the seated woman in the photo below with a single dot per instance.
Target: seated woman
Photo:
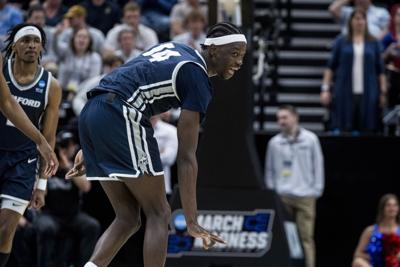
(371, 250)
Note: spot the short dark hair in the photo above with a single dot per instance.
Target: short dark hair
(289, 108)
(34, 8)
(123, 31)
(13, 31)
(110, 59)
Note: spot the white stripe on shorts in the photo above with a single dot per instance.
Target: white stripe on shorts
(138, 141)
(129, 135)
(137, 137)
(146, 147)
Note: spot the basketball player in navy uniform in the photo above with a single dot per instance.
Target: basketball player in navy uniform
(14, 112)
(39, 95)
(118, 144)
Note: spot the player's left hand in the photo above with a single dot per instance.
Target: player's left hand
(79, 167)
(209, 239)
(37, 199)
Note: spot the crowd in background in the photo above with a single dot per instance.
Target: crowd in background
(360, 84)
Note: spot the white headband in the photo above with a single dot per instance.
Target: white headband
(27, 30)
(227, 39)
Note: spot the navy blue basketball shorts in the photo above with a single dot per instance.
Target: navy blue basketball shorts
(117, 140)
(18, 174)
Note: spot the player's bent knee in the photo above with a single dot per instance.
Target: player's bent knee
(128, 225)
(162, 215)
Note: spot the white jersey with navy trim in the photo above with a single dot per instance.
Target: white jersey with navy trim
(148, 82)
(33, 99)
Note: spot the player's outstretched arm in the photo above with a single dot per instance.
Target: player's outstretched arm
(188, 132)
(13, 111)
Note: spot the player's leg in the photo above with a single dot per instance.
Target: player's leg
(17, 181)
(10, 213)
(125, 224)
(150, 193)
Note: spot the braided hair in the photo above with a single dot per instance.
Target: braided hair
(222, 29)
(11, 34)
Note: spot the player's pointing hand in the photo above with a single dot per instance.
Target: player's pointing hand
(209, 239)
(79, 167)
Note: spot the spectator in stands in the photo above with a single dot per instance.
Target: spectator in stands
(110, 62)
(195, 35)
(145, 36)
(371, 247)
(295, 170)
(127, 44)
(378, 18)
(391, 56)
(102, 14)
(181, 11)
(167, 140)
(155, 14)
(360, 83)
(9, 17)
(76, 16)
(36, 15)
(54, 10)
(62, 217)
(79, 62)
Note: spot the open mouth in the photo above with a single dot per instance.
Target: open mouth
(232, 71)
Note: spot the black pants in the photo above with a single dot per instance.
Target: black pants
(57, 238)
(357, 113)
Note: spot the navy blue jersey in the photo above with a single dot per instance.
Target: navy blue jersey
(33, 99)
(169, 75)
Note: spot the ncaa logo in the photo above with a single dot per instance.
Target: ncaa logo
(42, 84)
(180, 222)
